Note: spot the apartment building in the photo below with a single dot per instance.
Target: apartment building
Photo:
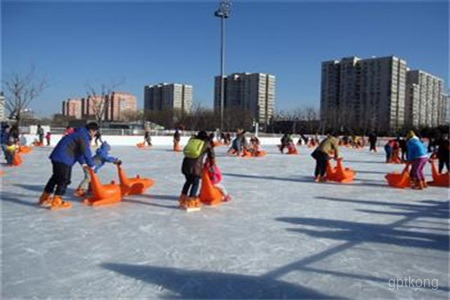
(110, 107)
(364, 93)
(425, 105)
(118, 104)
(254, 92)
(72, 107)
(164, 96)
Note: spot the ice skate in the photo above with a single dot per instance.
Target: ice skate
(192, 204)
(58, 203)
(79, 193)
(45, 199)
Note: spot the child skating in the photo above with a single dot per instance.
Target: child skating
(100, 158)
(215, 175)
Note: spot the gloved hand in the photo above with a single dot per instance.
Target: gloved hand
(118, 162)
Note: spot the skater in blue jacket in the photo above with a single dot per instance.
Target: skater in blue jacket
(70, 149)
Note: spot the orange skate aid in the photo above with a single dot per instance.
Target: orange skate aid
(438, 179)
(246, 153)
(339, 173)
(261, 153)
(401, 180)
(292, 150)
(24, 149)
(209, 194)
(102, 194)
(133, 185)
(16, 160)
(176, 147)
(395, 159)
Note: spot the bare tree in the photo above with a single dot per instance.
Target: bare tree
(98, 99)
(133, 115)
(312, 117)
(20, 91)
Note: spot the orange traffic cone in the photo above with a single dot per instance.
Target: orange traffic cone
(438, 179)
(102, 194)
(133, 186)
(401, 180)
(209, 194)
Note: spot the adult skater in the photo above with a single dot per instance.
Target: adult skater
(70, 149)
(192, 166)
(147, 137)
(442, 152)
(321, 154)
(373, 142)
(417, 155)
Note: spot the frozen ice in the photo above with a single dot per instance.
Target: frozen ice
(281, 236)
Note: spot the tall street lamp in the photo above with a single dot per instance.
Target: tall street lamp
(223, 13)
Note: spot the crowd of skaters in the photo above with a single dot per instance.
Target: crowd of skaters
(75, 147)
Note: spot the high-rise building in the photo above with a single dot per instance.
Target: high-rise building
(118, 104)
(164, 96)
(254, 92)
(368, 94)
(72, 108)
(2, 106)
(424, 100)
(445, 116)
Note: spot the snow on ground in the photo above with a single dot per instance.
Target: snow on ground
(282, 236)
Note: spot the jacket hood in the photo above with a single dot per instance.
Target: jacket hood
(105, 147)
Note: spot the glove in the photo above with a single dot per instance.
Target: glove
(118, 162)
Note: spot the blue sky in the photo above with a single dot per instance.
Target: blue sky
(76, 43)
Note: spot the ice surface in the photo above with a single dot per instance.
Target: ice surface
(282, 236)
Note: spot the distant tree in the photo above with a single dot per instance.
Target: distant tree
(60, 120)
(98, 97)
(133, 115)
(311, 115)
(20, 91)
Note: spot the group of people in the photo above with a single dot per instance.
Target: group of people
(199, 157)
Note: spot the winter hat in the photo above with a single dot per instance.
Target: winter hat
(410, 135)
(202, 135)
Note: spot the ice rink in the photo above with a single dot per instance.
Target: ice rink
(281, 236)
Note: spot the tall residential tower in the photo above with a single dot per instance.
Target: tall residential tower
(254, 92)
(168, 96)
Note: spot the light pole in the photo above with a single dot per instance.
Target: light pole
(223, 13)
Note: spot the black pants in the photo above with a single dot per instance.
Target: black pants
(373, 147)
(443, 162)
(60, 179)
(321, 162)
(193, 182)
